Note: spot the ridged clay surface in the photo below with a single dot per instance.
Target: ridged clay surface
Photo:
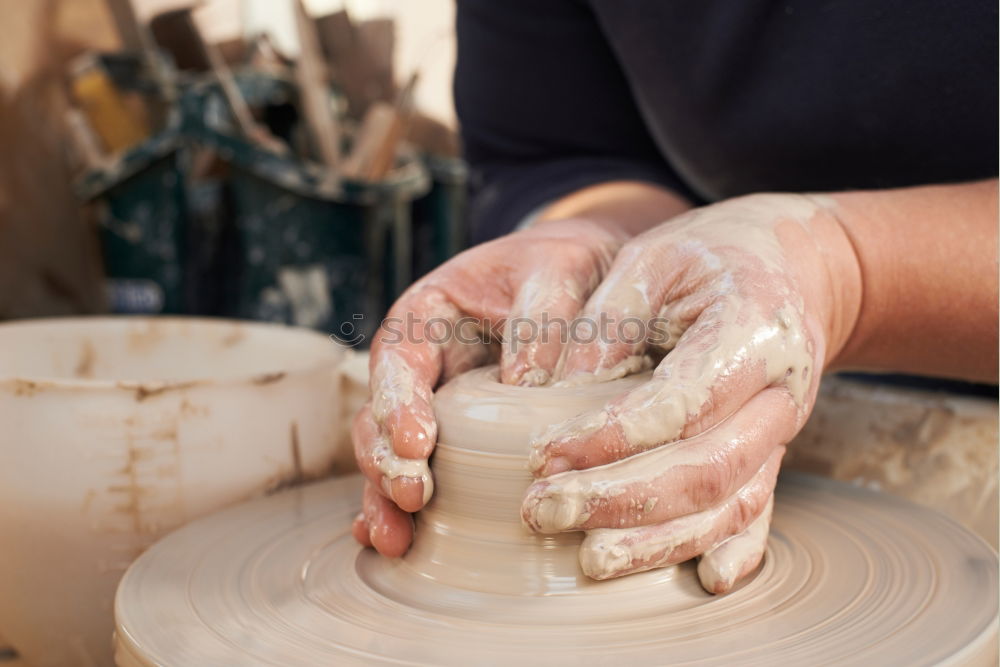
(850, 576)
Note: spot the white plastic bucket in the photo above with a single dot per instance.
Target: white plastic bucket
(114, 431)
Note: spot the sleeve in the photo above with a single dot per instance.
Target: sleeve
(544, 110)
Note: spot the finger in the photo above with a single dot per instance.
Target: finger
(631, 293)
(717, 367)
(612, 552)
(359, 529)
(543, 314)
(390, 529)
(722, 566)
(402, 381)
(667, 482)
(407, 482)
(396, 432)
(411, 353)
(424, 337)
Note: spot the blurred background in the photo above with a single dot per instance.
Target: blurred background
(273, 160)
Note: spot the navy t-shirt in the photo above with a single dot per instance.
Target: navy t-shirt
(718, 98)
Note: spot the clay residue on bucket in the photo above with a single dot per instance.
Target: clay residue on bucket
(147, 390)
(268, 378)
(88, 357)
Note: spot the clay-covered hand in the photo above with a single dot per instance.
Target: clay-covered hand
(441, 327)
(749, 298)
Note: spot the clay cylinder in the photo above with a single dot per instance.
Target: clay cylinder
(471, 535)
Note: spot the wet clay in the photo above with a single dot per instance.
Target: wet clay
(849, 576)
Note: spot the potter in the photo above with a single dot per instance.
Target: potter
(762, 294)
(692, 164)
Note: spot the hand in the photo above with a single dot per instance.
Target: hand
(547, 270)
(758, 293)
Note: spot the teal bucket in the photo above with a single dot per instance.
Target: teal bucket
(143, 225)
(307, 250)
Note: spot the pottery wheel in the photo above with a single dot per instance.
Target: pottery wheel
(851, 576)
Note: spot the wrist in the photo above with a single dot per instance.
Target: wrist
(870, 254)
(927, 258)
(840, 281)
(623, 208)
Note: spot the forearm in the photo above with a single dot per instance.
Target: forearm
(928, 262)
(629, 207)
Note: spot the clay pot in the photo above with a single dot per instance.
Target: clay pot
(115, 431)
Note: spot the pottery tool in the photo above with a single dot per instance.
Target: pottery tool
(361, 54)
(264, 57)
(851, 576)
(377, 140)
(129, 29)
(175, 31)
(136, 38)
(237, 104)
(245, 121)
(314, 92)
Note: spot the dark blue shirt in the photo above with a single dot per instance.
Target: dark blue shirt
(717, 98)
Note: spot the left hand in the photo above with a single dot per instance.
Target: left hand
(757, 294)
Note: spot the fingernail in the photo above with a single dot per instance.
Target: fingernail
(555, 466)
(386, 485)
(523, 374)
(408, 493)
(604, 557)
(536, 377)
(428, 483)
(552, 513)
(536, 459)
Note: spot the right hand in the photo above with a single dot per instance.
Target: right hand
(447, 323)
